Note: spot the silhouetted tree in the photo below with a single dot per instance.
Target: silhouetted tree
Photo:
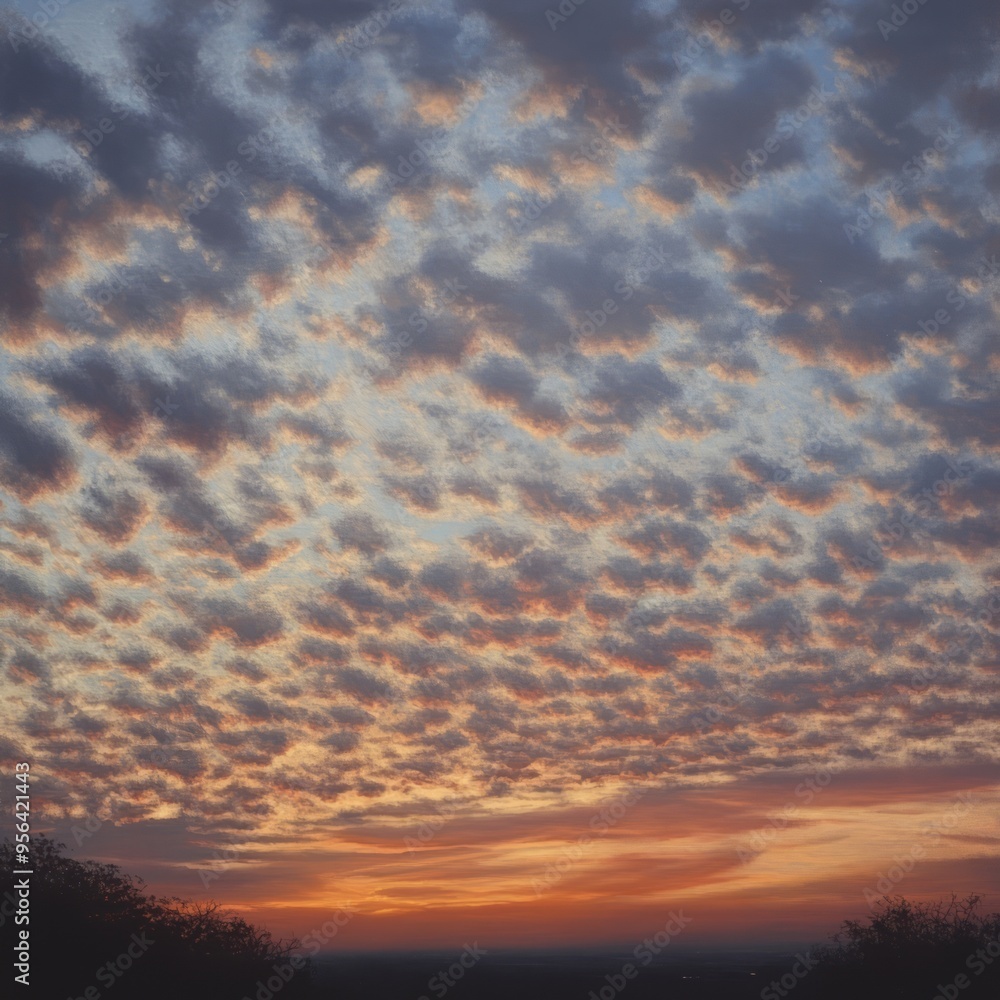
(85, 915)
(906, 950)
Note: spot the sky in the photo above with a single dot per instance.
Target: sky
(505, 470)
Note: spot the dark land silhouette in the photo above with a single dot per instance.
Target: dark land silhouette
(94, 933)
(93, 928)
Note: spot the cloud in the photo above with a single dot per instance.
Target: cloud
(562, 462)
(34, 457)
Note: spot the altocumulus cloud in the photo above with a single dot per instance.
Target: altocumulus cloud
(505, 554)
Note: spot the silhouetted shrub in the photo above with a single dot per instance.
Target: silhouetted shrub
(934, 951)
(93, 927)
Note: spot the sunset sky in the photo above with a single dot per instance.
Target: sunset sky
(509, 474)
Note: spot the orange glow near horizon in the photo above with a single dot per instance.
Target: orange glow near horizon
(763, 861)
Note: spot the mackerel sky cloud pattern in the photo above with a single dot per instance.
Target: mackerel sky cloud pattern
(438, 403)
